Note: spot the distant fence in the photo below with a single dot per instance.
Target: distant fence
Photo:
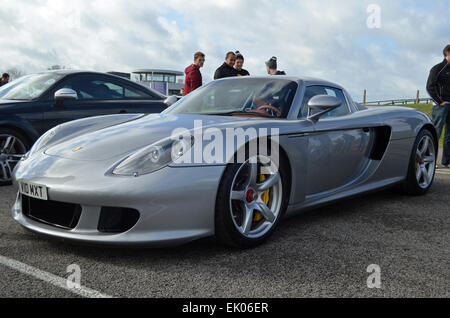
(404, 101)
(401, 101)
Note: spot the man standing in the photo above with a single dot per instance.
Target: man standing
(5, 79)
(271, 67)
(239, 64)
(227, 68)
(438, 86)
(193, 78)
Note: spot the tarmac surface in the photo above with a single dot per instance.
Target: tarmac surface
(322, 253)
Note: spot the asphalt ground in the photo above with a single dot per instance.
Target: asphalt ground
(322, 253)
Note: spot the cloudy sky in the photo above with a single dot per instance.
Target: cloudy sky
(327, 39)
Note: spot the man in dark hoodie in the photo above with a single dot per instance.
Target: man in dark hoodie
(438, 86)
(193, 78)
(227, 68)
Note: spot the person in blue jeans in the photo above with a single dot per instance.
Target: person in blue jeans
(438, 86)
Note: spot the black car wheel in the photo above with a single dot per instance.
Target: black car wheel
(13, 145)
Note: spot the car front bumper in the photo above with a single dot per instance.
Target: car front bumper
(176, 205)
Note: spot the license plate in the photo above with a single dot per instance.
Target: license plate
(33, 190)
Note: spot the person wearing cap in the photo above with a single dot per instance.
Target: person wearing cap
(271, 66)
(239, 64)
(227, 68)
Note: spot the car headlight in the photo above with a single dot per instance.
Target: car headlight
(154, 157)
(42, 142)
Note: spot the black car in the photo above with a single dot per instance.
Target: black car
(35, 103)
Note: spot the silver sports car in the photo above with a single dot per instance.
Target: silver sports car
(228, 160)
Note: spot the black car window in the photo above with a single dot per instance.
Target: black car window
(131, 92)
(312, 91)
(91, 87)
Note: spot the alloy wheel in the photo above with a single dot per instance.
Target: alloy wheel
(256, 198)
(425, 161)
(12, 150)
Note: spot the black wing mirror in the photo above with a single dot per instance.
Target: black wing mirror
(319, 105)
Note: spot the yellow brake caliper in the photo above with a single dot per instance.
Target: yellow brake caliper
(264, 197)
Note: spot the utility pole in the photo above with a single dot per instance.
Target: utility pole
(365, 97)
(418, 97)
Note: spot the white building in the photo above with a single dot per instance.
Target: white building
(164, 81)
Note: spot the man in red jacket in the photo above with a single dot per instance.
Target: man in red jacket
(193, 76)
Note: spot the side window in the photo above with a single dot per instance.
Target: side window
(341, 110)
(90, 87)
(312, 91)
(104, 89)
(133, 93)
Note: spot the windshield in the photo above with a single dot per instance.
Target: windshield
(253, 96)
(29, 87)
(7, 87)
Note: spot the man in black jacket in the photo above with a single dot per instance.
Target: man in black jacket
(438, 86)
(227, 69)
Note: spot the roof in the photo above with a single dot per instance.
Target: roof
(69, 71)
(64, 71)
(160, 71)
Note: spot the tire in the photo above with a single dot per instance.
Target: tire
(422, 164)
(13, 144)
(230, 214)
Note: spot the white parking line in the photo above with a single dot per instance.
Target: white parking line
(440, 171)
(50, 278)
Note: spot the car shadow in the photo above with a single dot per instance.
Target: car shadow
(208, 248)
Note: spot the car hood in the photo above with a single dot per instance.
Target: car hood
(4, 102)
(125, 138)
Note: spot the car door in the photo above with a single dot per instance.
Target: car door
(339, 148)
(100, 95)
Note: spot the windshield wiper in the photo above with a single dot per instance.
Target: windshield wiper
(240, 112)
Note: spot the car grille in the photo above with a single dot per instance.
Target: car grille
(59, 214)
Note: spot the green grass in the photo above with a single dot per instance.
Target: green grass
(426, 108)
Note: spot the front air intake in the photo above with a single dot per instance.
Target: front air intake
(59, 214)
(117, 220)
